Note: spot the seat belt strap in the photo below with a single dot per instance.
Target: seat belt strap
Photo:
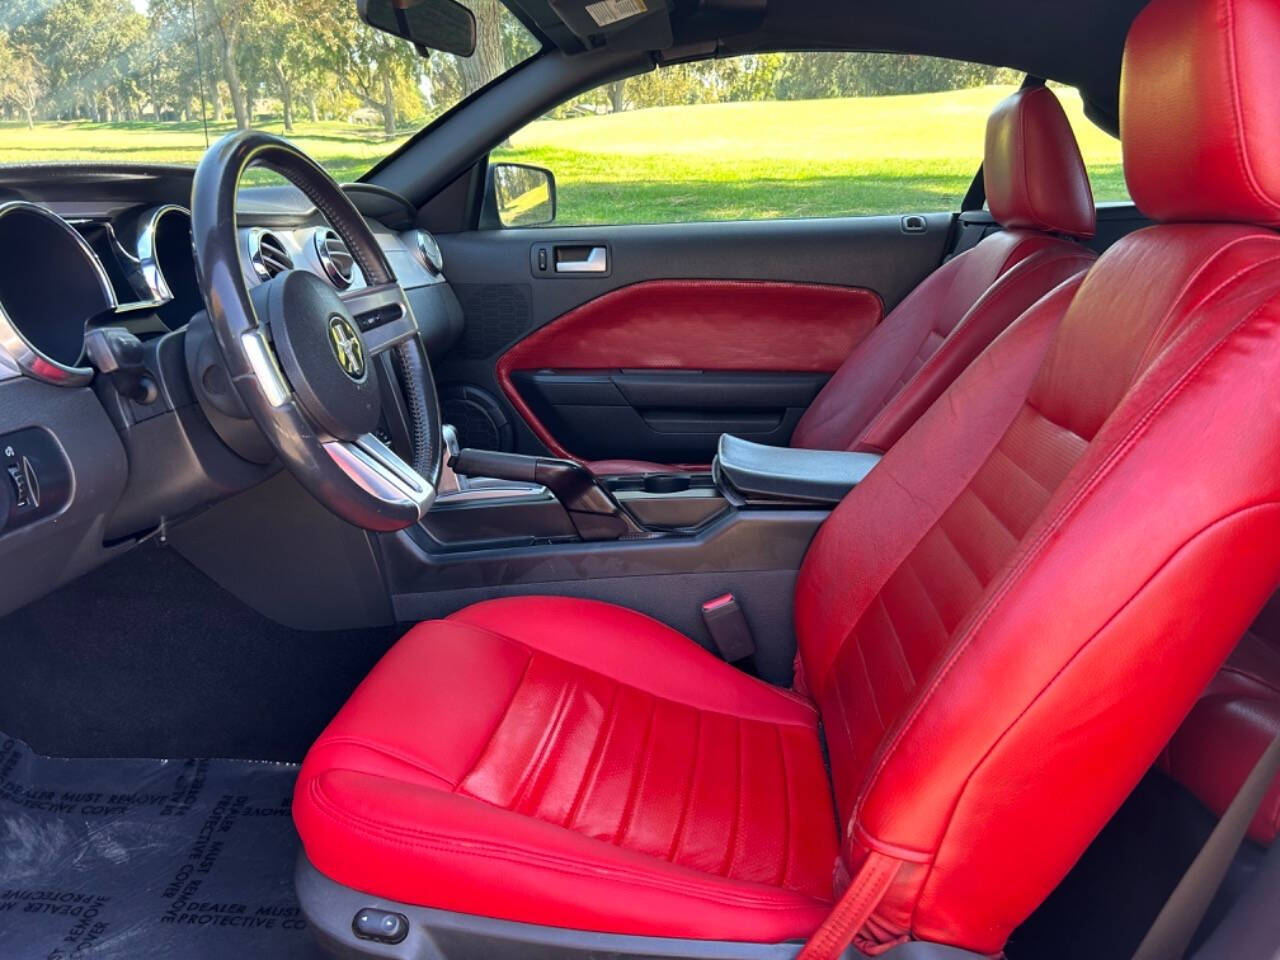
(1173, 929)
(853, 909)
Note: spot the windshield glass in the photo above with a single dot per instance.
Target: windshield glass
(154, 81)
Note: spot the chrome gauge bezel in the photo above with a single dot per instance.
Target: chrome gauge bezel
(146, 254)
(20, 354)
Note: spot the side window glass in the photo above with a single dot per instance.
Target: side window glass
(767, 136)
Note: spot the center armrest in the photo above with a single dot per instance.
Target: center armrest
(759, 472)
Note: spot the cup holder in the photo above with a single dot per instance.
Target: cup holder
(666, 483)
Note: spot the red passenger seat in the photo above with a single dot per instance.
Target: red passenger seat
(999, 629)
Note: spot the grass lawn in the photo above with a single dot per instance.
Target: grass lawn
(810, 158)
(708, 162)
(345, 149)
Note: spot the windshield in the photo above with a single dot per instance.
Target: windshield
(154, 81)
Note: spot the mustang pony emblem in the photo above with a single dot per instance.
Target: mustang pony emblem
(347, 347)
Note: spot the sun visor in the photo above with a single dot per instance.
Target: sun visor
(618, 24)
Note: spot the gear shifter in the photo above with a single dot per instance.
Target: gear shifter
(593, 510)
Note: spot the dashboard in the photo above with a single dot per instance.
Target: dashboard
(93, 257)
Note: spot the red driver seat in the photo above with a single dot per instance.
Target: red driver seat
(998, 630)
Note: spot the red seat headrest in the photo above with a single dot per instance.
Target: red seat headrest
(1033, 171)
(1200, 110)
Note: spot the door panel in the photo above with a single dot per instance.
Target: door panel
(559, 352)
(671, 416)
(683, 326)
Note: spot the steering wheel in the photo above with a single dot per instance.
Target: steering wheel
(301, 355)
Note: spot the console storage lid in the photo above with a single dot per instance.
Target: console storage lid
(751, 472)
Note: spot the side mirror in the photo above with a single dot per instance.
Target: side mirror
(443, 25)
(521, 195)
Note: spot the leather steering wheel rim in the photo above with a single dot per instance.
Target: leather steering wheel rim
(278, 339)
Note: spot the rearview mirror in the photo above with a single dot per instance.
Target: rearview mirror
(522, 195)
(443, 25)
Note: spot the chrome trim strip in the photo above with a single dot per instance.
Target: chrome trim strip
(376, 469)
(265, 368)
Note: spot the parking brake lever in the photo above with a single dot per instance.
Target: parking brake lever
(594, 512)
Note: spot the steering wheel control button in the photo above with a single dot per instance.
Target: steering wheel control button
(381, 926)
(322, 353)
(377, 317)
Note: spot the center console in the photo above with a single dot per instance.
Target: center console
(662, 543)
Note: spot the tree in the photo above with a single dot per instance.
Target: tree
(22, 79)
(489, 60)
(617, 98)
(225, 19)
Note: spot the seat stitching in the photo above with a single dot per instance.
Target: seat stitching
(972, 491)
(727, 864)
(391, 752)
(687, 795)
(593, 762)
(866, 672)
(475, 760)
(1240, 140)
(909, 567)
(637, 777)
(896, 637)
(426, 840)
(786, 811)
(533, 769)
(788, 695)
(941, 526)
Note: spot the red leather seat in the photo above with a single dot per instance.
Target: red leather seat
(999, 629)
(1229, 728)
(1037, 189)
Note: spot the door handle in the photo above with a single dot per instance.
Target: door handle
(581, 259)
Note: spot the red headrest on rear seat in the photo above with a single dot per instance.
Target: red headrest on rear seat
(1033, 171)
(1200, 110)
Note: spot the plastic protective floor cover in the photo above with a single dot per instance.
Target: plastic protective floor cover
(146, 858)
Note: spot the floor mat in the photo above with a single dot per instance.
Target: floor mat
(146, 858)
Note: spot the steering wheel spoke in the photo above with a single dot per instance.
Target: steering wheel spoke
(383, 315)
(379, 471)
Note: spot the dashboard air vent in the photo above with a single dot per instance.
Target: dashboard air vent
(268, 254)
(335, 258)
(429, 250)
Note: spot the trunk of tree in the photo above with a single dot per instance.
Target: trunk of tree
(311, 106)
(251, 94)
(231, 72)
(616, 102)
(388, 103)
(31, 117)
(286, 98)
(488, 61)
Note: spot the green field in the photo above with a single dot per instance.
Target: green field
(707, 162)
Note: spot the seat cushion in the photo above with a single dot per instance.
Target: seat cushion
(1227, 731)
(571, 763)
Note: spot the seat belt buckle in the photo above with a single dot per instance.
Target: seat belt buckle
(728, 628)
